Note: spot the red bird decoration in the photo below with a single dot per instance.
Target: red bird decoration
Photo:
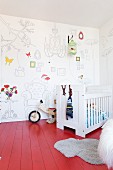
(45, 77)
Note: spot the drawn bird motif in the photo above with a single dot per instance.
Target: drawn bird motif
(8, 60)
(45, 77)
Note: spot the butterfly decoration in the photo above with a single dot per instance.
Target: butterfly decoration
(28, 54)
(8, 60)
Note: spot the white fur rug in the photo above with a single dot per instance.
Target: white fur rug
(85, 149)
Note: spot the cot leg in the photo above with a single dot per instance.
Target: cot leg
(60, 126)
(80, 133)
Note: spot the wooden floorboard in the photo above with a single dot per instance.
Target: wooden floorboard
(7, 148)
(46, 152)
(37, 156)
(15, 158)
(26, 156)
(4, 129)
(61, 161)
(27, 146)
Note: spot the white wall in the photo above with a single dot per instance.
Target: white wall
(47, 43)
(106, 53)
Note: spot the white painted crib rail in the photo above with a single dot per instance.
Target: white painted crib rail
(92, 106)
(98, 109)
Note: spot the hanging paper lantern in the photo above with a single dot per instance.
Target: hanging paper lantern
(72, 49)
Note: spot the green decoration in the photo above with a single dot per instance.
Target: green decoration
(32, 64)
(72, 49)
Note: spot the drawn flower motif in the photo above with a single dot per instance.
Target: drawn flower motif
(9, 91)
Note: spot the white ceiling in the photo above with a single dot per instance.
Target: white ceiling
(91, 13)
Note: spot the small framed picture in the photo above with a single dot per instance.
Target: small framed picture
(77, 58)
(32, 64)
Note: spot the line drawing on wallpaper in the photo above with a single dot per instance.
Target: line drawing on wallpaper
(106, 56)
(39, 66)
(53, 45)
(110, 34)
(84, 54)
(34, 92)
(107, 52)
(19, 41)
(38, 69)
(73, 32)
(61, 71)
(86, 51)
(53, 69)
(92, 43)
(37, 54)
(19, 36)
(103, 41)
(9, 113)
(19, 71)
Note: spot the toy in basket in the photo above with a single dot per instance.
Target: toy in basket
(35, 116)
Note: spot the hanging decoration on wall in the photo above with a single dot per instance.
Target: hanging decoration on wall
(17, 40)
(28, 54)
(81, 35)
(45, 77)
(8, 60)
(9, 91)
(72, 46)
(77, 58)
(32, 64)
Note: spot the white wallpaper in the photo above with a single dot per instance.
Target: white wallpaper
(34, 58)
(106, 53)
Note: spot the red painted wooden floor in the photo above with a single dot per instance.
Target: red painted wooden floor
(27, 146)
